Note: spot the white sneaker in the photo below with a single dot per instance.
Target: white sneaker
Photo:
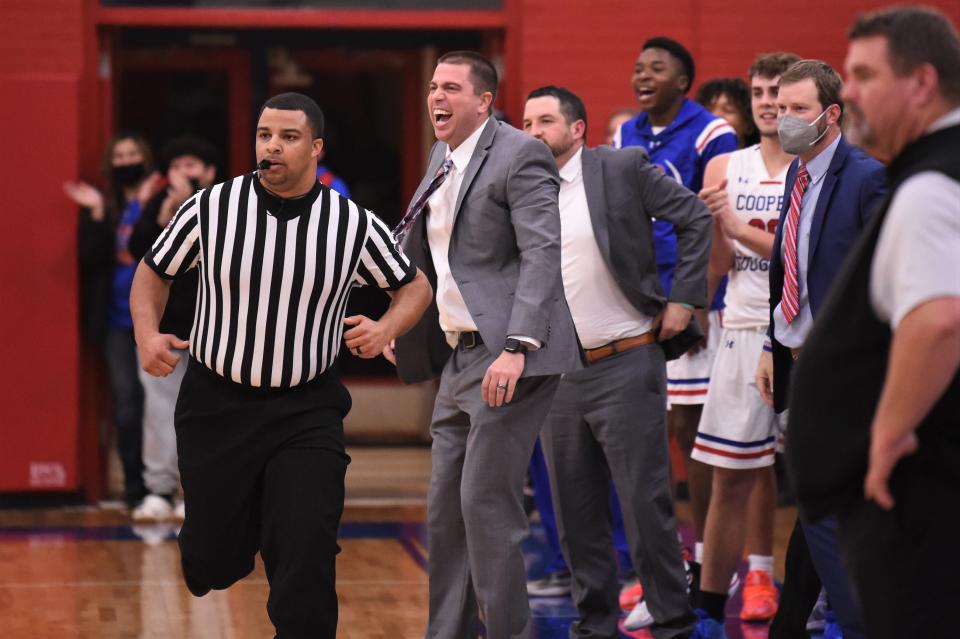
(179, 510)
(153, 508)
(553, 585)
(639, 617)
(153, 534)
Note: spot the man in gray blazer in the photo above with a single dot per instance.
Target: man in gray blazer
(609, 420)
(484, 226)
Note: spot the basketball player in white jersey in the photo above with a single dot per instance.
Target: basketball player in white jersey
(739, 432)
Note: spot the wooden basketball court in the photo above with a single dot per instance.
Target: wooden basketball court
(87, 573)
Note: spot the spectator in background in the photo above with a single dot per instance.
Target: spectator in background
(615, 121)
(190, 165)
(107, 268)
(328, 178)
(729, 98)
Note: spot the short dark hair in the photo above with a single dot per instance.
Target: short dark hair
(678, 51)
(734, 88)
(738, 93)
(185, 145)
(483, 74)
(571, 106)
(298, 102)
(825, 78)
(771, 65)
(916, 36)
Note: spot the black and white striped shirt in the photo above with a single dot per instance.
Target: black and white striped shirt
(275, 276)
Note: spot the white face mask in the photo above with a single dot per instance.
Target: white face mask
(797, 135)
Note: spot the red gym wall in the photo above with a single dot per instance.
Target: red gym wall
(55, 112)
(40, 69)
(590, 47)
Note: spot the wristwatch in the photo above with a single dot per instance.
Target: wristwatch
(514, 346)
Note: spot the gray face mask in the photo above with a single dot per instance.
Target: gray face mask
(797, 135)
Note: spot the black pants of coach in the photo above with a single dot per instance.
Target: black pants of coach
(263, 470)
(904, 563)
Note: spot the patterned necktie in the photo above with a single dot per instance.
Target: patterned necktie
(421, 202)
(790, 300)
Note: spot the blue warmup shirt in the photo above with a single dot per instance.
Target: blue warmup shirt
(327, 177)
(123, 271)
(682, 150)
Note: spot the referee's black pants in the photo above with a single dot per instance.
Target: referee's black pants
(263, 470)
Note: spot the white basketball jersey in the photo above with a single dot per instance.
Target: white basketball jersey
(755, 198)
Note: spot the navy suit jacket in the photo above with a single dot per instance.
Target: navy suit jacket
(853, 188)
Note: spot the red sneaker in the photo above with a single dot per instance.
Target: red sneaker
(630, 596)
(760, 597)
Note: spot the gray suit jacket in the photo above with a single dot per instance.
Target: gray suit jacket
(624, 191)
(504, 256)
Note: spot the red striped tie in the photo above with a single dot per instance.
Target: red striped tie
(790, 300)
(417, 207)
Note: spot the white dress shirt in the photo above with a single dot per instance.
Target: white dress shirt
(601, 312)
(917, 258)
(792, 334)
(454, 316)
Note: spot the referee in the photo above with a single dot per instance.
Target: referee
(259, 418)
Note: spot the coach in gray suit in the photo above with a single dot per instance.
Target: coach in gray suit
(485, 228)
(609, 420)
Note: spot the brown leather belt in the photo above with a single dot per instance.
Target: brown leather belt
(470, 340)
(619, 346)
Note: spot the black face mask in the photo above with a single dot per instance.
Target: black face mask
(195, 183)
(128, 174)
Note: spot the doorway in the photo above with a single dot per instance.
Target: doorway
(162, 95)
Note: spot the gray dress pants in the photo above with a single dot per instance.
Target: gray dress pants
(609, 421)
(475, 516)
(160, 472)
